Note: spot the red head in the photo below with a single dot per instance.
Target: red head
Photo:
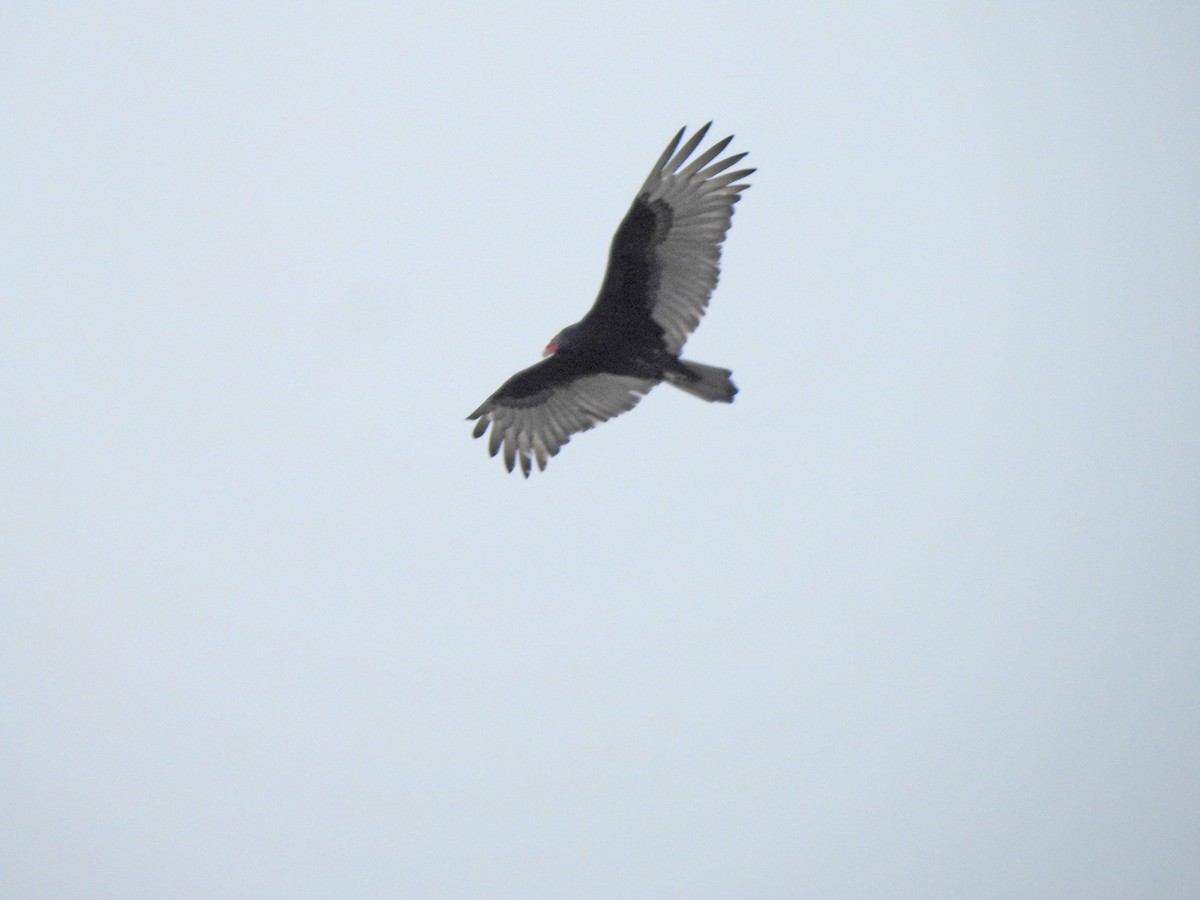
(562, 340)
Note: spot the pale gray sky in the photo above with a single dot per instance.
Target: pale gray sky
(917, 616)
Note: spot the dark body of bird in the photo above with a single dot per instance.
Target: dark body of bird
(662, 268)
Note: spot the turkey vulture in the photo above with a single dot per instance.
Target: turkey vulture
(662, 268)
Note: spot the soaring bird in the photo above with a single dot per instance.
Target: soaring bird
(662, 268)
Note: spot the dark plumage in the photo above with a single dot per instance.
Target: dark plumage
(662, 268)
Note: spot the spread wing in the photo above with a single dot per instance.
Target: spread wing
(662, 269)
(537, 410)
(664, 260)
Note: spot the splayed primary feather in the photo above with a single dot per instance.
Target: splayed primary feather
(663, 267)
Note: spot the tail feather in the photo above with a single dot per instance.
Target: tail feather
(710, 383)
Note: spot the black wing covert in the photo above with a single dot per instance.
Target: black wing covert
(537, 410)
(665, 257)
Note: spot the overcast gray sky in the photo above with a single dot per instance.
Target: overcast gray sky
(917, 616)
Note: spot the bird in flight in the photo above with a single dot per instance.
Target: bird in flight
(662, 268)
